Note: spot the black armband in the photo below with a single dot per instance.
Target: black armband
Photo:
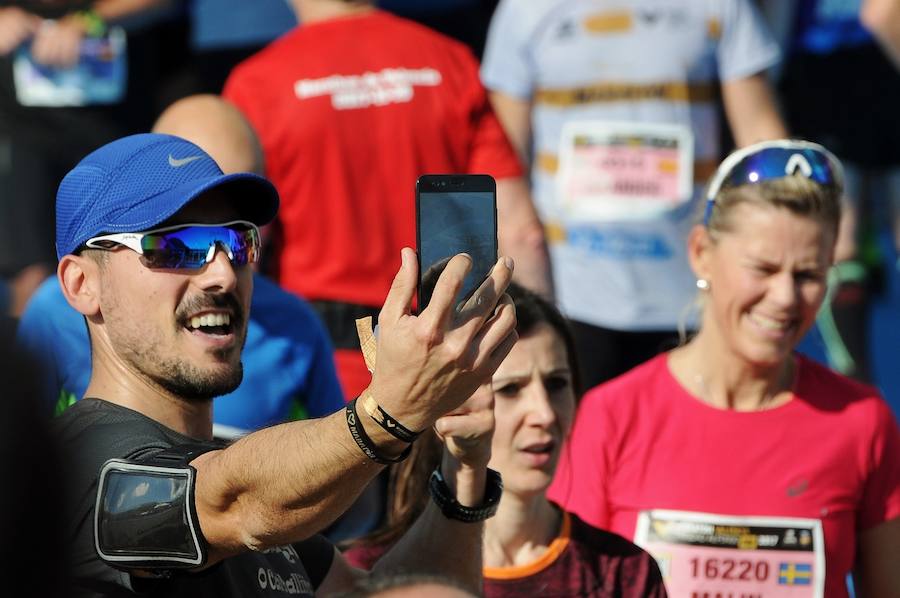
(145, 517)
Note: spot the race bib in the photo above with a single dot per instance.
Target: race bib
(99, 77)
(703, 555)
(613, 171)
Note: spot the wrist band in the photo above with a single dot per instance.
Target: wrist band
(384, 419)
(363, 441)
(451, 508)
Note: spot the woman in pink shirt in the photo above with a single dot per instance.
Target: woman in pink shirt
(744, 467)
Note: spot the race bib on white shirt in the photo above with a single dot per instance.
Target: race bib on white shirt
(99, 77)
(703, 555)
(615, 171)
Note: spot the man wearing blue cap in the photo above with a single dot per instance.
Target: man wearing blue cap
(155, 246)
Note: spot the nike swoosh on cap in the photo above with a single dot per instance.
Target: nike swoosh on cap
(179, 162)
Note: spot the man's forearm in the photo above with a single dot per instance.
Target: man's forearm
(283, 483)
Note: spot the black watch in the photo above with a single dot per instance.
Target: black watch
(451, 508)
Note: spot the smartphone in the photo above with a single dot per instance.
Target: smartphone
(455, 213)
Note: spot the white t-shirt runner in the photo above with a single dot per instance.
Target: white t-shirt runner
(591, 68)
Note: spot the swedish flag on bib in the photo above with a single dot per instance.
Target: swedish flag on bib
(794, 574)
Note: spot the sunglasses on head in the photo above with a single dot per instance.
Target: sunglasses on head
(187, 245)
(774, 160)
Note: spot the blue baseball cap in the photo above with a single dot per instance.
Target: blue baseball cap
(135, 183)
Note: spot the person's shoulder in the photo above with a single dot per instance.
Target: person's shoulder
(827, 385)
(48, 299)
(449, 55)
(96, 426)
(636, 382)
(269, 57)
(860, 405)
(414, 31)
(267, 293)
(278, 309)
(49, 292)
(601, 541)
(528, 17)
(637, 570)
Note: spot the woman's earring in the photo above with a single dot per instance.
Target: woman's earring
(702, 284)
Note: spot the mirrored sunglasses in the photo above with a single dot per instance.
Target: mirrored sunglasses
(187, 245)
(774, 160)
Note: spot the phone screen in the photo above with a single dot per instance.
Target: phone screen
(453, 222)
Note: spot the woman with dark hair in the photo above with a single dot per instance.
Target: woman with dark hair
(746, 468)
(530, 543)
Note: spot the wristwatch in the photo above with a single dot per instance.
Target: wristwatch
(451, 508)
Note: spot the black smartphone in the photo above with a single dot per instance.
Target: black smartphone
(455, 213)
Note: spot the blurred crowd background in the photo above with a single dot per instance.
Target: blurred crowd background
(76, 74)
(834, 82)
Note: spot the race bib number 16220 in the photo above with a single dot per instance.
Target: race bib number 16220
(703, 555)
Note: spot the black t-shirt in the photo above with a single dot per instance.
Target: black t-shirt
(93, 431)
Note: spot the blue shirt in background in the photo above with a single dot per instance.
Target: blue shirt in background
(222, 24)
(288, 365)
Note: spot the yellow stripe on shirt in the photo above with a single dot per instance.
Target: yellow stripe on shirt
(626, 92)
(609, 22)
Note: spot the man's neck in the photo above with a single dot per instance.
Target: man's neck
(312, 11)
(115, 383)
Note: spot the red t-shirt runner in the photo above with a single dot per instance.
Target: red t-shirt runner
(350, 112)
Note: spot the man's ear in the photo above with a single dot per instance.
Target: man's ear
(79, 278)
(699, 248)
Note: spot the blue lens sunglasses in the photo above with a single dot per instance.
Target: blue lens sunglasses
(190, 246)
(770, 160)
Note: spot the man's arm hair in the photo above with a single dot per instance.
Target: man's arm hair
(282, 484)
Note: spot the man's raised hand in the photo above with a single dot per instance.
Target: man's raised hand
(430, 364)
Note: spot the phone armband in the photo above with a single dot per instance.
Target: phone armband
(145, 517)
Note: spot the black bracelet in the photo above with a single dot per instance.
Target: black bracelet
(365, 443)
(451, 508)
(384, 419)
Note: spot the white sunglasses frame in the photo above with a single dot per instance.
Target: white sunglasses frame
(725, 168)
(133, 240)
